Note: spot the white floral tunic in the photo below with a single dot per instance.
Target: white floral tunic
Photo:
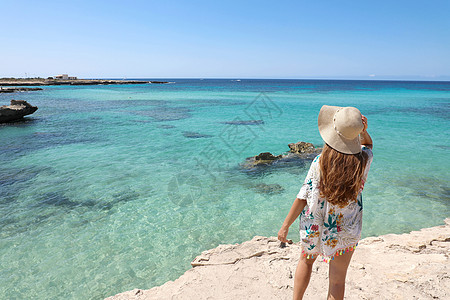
(327, 229)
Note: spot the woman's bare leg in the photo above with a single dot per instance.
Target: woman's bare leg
(337, 272)
(302, 276)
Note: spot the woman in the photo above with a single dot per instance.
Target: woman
(329, 202)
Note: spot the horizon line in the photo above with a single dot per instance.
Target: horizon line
(441, 78)
(436, 79)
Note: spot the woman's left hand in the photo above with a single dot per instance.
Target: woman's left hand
(282, 235)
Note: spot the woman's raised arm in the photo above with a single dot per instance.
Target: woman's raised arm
(366, 140)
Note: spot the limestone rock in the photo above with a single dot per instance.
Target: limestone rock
(301, 147)
(394, 266)
(17, 110)
(265, 157)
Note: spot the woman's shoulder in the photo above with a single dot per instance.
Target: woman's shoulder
(314, 169)
(315, 162)
(316, 159)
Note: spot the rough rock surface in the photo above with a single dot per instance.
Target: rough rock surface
(406, 266)
(302, 147)
(17, 110)
(265, 158)
(298, 152)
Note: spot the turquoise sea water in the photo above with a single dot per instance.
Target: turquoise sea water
(109, 188)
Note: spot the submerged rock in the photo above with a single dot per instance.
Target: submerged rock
(244, 122)
(165, 126)
(166, 113)
(270, 189)
(195, 135)
(17, 110)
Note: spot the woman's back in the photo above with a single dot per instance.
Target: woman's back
(330, 202)
(328, 229)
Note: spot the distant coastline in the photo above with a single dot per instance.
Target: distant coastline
(18, 89)
(43, 81)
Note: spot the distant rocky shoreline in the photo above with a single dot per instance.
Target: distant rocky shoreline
(20, 89)
(42, 82)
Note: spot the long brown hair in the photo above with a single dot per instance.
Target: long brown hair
(341, 175)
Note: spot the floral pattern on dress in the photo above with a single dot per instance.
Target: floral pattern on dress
(327, 229)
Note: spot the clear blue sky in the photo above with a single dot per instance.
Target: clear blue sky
(230, 39)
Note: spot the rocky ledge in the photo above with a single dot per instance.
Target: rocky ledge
(39, 82)
(17, 110)
(20, 89)
(393, 266)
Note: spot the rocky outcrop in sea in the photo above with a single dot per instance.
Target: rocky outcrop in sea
(299, 152)
(17, 110)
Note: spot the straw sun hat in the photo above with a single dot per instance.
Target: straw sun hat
(340, 128)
